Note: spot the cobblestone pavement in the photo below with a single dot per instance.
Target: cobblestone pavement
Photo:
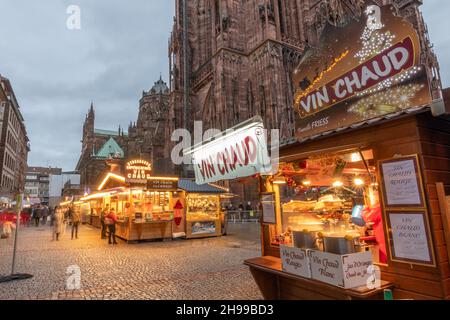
(181, 269)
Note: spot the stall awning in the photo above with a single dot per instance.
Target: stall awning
(190, 186)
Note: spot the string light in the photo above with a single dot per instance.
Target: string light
(398, 79)
(389, 101)
(320, 77)
(374, 43)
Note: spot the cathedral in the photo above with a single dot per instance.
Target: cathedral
(241, 55)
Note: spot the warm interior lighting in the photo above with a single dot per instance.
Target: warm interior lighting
(358, 182)
(279, 180)
(306, 183)
(338, 184)
(355, 157)
(97, 196)
(108, 176)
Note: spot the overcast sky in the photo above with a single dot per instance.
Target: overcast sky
(120, 50)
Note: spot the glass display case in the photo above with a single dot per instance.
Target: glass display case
(203, 215)
(331, 203)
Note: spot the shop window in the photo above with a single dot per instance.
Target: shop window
(335, 195)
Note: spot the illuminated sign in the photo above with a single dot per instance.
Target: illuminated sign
(366, 70)
(235, 153)
(138, 171)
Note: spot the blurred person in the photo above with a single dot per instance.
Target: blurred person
(59, 223)
(75, 219)
(110, 221)
(103, 214)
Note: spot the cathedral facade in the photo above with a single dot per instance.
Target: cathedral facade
(241, 55)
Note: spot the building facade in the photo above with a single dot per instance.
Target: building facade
(98, 145)
(58, 183)
(37, 183)
(14, 143)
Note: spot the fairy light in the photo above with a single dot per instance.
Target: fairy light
(374, 43)
(320, 77)
(389, 101)
(398, 79)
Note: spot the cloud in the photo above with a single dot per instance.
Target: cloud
(119, 51)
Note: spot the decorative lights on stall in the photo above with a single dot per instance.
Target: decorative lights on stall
(338, 184)
(358, 182)
(320, 77)
(389, 101)
(279, 180)
(108, 176)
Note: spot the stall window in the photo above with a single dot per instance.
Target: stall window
(332, 195)
(203, 207)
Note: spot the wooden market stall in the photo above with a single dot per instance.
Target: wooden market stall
(358, 206)
(157, 208)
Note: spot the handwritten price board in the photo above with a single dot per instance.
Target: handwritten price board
(402, 185)
(348, 271)
(295, 261)
(410, 241)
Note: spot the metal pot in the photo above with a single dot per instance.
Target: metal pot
(340, 245)
(305, 240)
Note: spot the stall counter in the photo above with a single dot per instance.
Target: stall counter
(278, 285)
(151, 230)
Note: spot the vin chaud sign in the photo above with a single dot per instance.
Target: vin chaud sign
(368, 69)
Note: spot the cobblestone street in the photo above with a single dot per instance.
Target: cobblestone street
(181, 269)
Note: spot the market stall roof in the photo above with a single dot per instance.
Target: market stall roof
(189, 185)
(371, 122)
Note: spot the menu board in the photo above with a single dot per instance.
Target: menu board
(410, 238)
(268, 208)
(401, 183)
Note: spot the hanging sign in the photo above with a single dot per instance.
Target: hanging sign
(236, 153)
(368, 69)
(138, 171)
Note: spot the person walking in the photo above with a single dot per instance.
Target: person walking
(35, 215)
(103, 214)
(52, 216)
(75, 220)
(59, 223)
(44, 215)
(110, 221)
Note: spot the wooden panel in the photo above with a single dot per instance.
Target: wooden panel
(445, 215)
(266, 283)
(419, 272)
(435, 136)
(426, 120)
(421, 286)
(437, 222)
(400, 294)
(435, 150)
(436, 163)
(441, 254)
(445, 270)
(434, 176)
(439, 239)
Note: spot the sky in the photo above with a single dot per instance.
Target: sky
(119, 51)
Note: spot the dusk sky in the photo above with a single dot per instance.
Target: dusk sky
(120, 51)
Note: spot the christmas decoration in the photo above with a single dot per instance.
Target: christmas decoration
(374, 43)
(389, 101)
